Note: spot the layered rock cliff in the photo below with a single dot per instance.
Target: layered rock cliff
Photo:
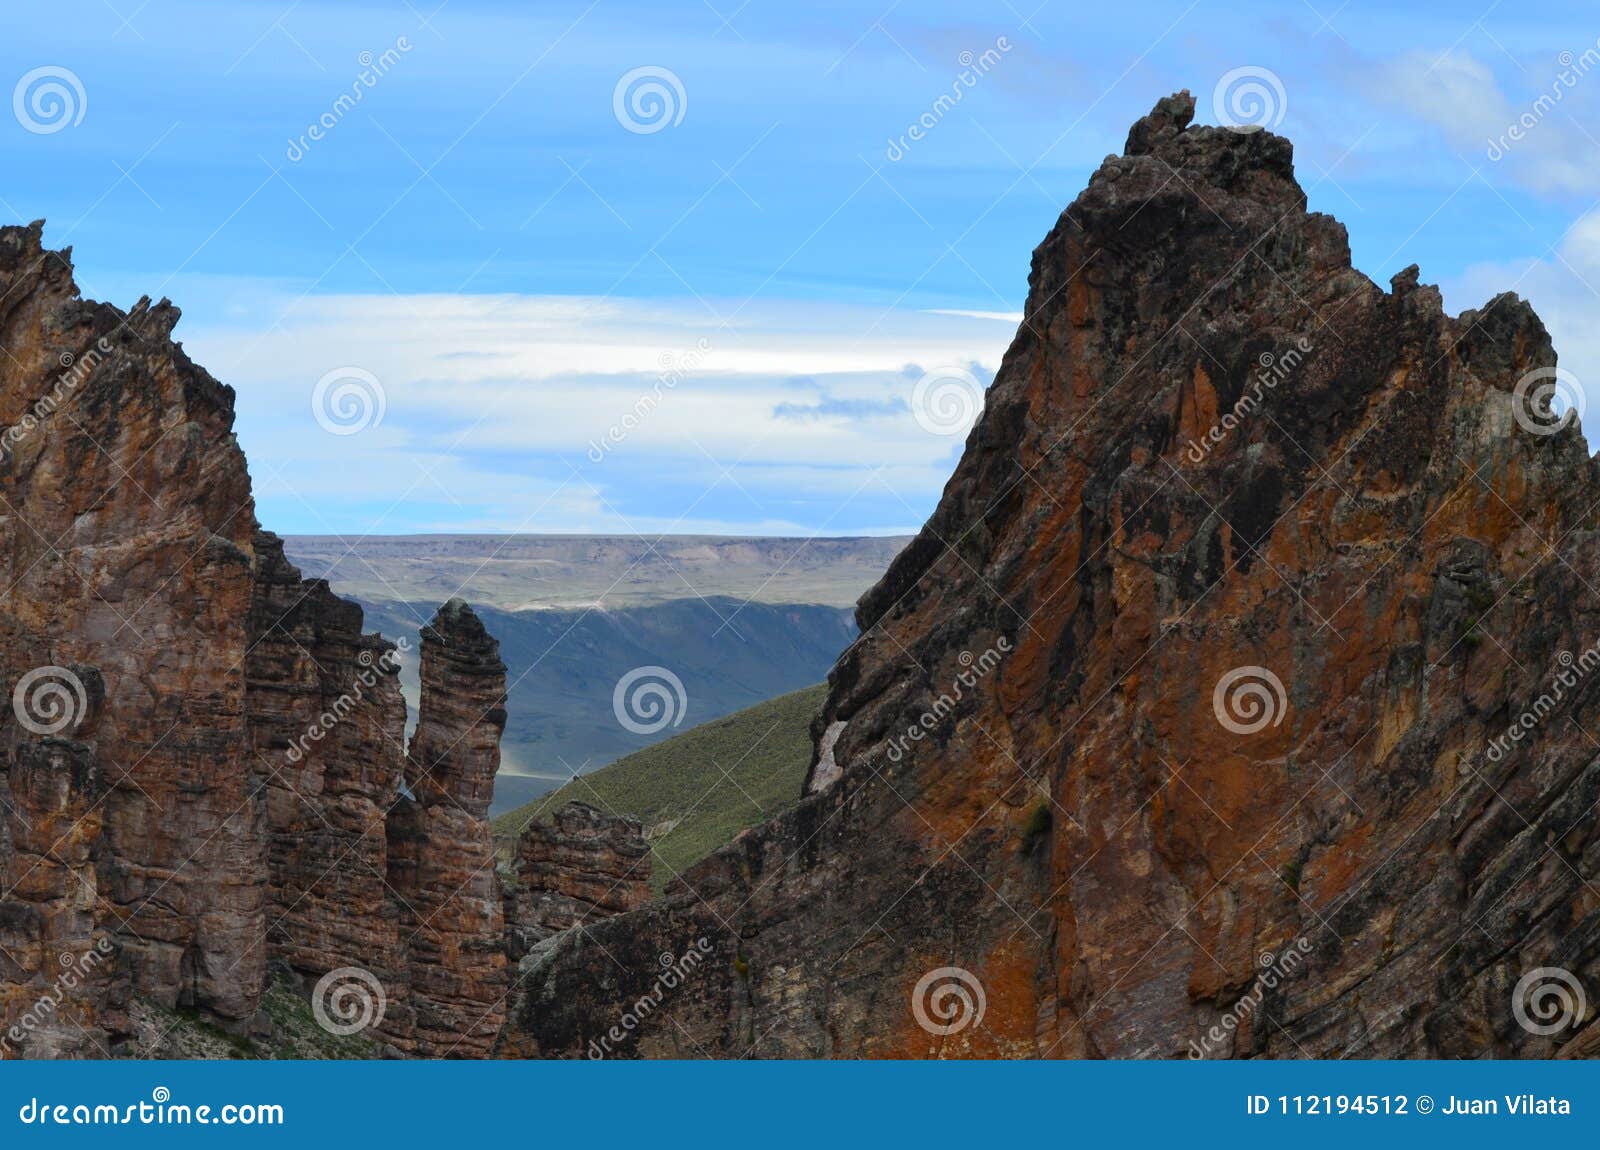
(126, 559)
(327, 730)
(1235, 701)
(441, 851)
(1174, 731)
(581, 866)
(202, 756)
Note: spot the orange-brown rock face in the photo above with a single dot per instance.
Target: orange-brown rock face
(47, 928)
(200, 753)
(441, 852)
(582, 866)
(327, 723)
(125, 557)
(1175, 731)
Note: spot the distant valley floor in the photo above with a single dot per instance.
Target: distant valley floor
(575, 614)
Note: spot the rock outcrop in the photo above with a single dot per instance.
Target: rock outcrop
(202, 753)
(582, 866)
(1233, 702)
(327, 729)
(125, 555)
(441, 851)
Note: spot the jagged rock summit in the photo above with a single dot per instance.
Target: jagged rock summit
(202, 755)
(1182, 728)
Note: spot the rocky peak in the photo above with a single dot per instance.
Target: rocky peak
(441, 851)
(456, 749)
(1166, 121)
(581, 866)
(1194, 676)
(201, 764)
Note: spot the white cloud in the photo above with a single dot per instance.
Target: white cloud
(498, 410)
(1011, 317)
(1537, 135)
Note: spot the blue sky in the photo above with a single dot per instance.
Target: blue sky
(483, 242)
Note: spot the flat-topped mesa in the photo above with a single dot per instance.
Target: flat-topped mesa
(582, 866)
(441, 849)
(1217, 466)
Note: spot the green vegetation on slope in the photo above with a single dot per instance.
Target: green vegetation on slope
(562, 668)
(696, 791)
(295, 1032)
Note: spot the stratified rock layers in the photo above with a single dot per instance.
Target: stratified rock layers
(442, 864)
(201, 755)
(581, 866)
(125, 557)
(1215, 460)
(327, 725)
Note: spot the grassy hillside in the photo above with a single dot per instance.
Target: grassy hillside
(562, 667)
(696, 791)
(737, 620)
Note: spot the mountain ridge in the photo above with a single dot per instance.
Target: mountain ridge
(1131, 738)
